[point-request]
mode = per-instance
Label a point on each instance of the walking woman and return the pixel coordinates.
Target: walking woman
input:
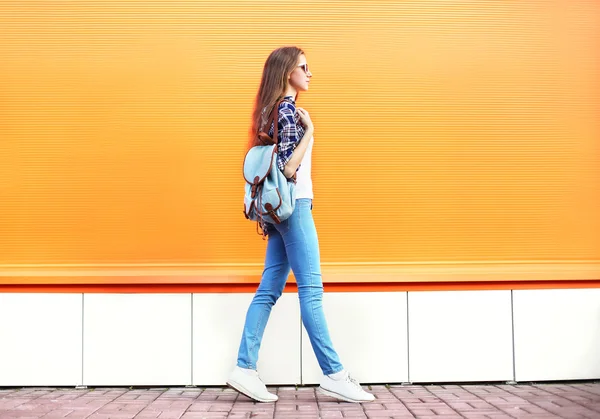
(292, 244)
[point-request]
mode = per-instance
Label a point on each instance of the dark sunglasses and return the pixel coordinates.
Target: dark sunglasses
(304, 67)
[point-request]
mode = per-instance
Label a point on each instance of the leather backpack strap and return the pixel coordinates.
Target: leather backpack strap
(273, 119)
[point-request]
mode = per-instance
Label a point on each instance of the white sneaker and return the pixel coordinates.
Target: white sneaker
(248, 382)
(343, 387)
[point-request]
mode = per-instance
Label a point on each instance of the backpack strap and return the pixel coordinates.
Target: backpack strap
(263, 137)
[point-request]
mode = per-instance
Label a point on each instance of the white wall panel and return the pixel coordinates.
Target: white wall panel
(369, 333)
(557, 334)
(146, 339)
(137, 339)
(40, 339)
(460, 336)
(218, 324)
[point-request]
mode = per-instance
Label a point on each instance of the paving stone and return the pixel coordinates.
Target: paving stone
(539, 401)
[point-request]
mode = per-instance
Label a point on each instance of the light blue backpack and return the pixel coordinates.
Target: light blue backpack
(269, 197)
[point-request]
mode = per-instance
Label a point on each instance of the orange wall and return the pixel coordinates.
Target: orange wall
(456, 135)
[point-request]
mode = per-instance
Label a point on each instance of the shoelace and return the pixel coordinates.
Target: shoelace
(353, 381)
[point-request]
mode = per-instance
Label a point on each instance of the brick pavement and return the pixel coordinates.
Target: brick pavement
(539, 401)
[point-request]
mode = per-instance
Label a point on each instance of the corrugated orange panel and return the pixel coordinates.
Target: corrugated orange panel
(462, 134)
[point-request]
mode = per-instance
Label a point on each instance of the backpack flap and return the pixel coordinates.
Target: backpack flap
(257, 165)
(277, 197)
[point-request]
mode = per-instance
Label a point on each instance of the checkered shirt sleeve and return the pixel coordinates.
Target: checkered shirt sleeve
(290, 132)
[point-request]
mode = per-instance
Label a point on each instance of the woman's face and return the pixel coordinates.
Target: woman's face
(300, 77)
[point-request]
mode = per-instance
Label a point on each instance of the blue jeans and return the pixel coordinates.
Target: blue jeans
(292, 244)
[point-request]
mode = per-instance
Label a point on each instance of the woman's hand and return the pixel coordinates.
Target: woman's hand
(305, 118)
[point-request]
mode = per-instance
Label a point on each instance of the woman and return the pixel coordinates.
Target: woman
(293, 243)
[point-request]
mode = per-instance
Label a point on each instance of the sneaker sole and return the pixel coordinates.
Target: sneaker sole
(238, 387)
(340, 397)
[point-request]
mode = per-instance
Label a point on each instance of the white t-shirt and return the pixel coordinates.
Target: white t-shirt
(304, 187)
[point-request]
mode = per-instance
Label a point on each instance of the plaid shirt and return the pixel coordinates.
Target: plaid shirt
(290, 131)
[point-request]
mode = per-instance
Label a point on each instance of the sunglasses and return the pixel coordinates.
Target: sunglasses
(304, 67)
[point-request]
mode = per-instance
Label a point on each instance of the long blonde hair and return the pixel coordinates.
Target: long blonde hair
(279, 65)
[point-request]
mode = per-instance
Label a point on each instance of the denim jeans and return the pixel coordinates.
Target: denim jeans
(292, 244)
